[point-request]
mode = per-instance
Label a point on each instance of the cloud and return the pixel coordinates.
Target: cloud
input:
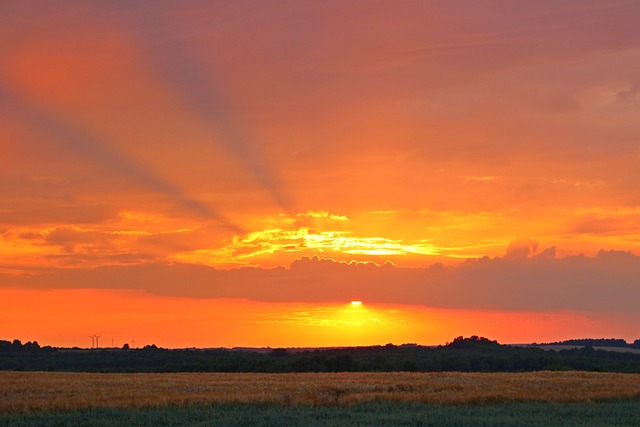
(323, 215)
(80, 142)
(548, 253)
(521, 248)
(606, 282)
(199, 85)
(70, 238)
(608, 225)
(357, 106)
(68, 213)
(629, 94)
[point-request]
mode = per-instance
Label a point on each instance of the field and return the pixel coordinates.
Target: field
(37, 391)
(42, 398)
(616, 413)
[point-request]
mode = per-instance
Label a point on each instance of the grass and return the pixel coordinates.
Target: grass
(24, 392)
(611, 413)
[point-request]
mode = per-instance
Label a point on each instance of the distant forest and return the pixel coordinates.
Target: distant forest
(598, 342)
(474, 354)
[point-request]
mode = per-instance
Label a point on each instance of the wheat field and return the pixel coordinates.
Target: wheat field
(37, 391)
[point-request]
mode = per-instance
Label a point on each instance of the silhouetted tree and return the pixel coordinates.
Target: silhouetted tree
(344, 363)
(279, 352)
(31, 346)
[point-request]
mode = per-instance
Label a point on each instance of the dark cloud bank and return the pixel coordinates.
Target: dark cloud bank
(609, 281)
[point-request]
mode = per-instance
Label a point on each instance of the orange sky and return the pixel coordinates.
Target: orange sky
(178, 167)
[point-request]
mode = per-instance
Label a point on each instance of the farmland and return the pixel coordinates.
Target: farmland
(38, 391)
(399, 398)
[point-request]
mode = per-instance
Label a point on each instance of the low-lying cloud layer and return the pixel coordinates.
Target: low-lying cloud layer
(604, 283)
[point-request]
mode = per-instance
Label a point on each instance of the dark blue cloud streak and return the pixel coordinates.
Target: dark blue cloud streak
(90, 147)
(163, 41)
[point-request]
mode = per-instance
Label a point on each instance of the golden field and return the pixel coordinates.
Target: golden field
(31, 391)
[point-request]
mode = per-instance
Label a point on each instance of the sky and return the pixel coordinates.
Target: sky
(222, 173)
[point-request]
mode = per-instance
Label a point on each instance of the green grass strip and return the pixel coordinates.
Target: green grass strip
(612, 413)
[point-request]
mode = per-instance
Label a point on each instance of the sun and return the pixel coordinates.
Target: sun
(356, 302)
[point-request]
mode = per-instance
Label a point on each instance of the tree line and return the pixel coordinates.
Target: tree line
(599, 342)
(473, 354)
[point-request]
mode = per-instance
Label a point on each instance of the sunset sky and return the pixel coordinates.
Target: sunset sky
(235, 173)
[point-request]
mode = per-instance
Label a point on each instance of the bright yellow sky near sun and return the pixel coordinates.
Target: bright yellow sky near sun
(139, 136)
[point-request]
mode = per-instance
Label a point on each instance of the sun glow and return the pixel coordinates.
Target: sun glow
(285, 238)
(356, 303)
